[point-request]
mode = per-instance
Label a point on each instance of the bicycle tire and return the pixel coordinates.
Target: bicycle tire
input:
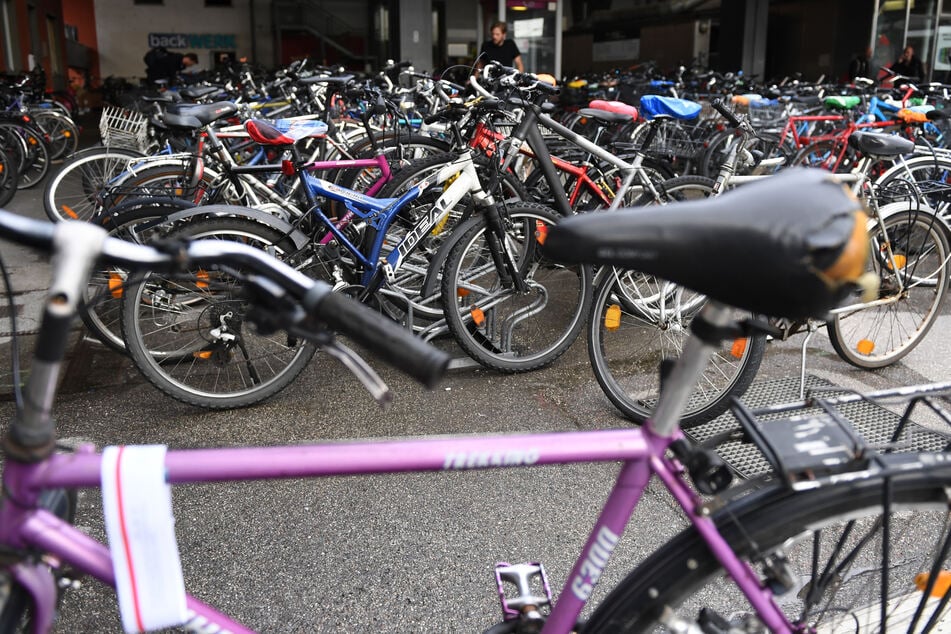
(191, 339)
(9, 175)
(35, 159)
(877, 336)
(681, 575)
(62, 132)
(915, 171)
(72, 193)
(16, 602)
(101, 304)
(497, 326)
(637, 321)
(679, 189)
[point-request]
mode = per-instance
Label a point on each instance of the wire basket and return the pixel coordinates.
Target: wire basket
(764, 114)
(123, 128)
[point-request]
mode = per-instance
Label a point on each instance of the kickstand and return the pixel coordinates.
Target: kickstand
(810, 330)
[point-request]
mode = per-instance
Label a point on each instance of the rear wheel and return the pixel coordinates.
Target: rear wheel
(191, 337)
(496, 324)
(838, 547)
(914, 281)
(637, 321)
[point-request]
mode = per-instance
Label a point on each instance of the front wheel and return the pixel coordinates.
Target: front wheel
(637, 321)
(837, 548)
(190, 335)
(910, 258)
(496, 323)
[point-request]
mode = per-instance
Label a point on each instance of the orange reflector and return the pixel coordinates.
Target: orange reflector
(115, 285)
(202, 354)
(33, 141)
(940, 586)
(864, 346)
(612, 317)
(900, 261)
(477, 316)
(67, 133)
(462, 292)
(68, 211)
(201, 278)
(541, 232)
(738, 348)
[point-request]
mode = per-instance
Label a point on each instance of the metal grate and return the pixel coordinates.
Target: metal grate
(873, 422)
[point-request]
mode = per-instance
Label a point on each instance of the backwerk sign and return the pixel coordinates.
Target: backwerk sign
(192, 40)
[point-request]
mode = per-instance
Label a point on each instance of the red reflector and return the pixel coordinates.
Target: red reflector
(287, 168)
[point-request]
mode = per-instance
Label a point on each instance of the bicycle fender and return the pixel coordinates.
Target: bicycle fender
(299, 238)
(899, 207)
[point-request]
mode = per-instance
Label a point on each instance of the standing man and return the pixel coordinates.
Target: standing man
(500, 50)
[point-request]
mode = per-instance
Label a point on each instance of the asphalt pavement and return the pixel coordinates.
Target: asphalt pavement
(403, 553)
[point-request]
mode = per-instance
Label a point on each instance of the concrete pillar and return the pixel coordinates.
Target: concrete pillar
(743, 26)
(416, 33)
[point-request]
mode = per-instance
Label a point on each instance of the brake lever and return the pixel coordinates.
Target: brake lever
(361, 369)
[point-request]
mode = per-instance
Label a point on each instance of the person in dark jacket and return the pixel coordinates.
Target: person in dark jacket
(908, 64)
(162, 64)
(500, 50)
(859, 66)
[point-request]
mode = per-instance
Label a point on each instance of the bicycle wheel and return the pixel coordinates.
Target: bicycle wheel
(35, 152)
(494, 323)
(9, 174)
(906, 177)
(824, 155)
(101, 308)
(679, 189)
(16, 602)
(910, 294)
(61, 131)
(74, 192)
(830, 545)
(190, 336)
(636, 322)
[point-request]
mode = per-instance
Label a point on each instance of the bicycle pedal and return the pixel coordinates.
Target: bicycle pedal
(526, 577)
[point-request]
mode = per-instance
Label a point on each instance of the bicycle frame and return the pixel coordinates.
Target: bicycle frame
(642, 451)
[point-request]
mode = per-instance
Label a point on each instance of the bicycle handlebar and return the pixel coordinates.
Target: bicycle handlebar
(384, 337)
(717, 105)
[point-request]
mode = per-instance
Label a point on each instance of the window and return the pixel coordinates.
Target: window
(217, 3)
(148, 1)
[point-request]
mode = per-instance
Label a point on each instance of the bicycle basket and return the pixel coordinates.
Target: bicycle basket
(123, 128)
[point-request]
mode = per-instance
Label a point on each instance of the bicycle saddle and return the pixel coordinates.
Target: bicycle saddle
(793, 245)
(877, 144)
(604, 116)
(194, 116)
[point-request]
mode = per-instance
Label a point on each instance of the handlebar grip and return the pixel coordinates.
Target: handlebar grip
(717, 105)
(391, 342)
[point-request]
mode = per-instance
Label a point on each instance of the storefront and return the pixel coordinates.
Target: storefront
(922, 24)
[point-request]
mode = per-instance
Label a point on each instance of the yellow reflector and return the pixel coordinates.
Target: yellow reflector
(68, 211)
(864, 346)
(900, 261)
(477, 316)
(115, 285)
(612, 317)
(201, 278)
(940, 586)
(202, 354)
(738, 348)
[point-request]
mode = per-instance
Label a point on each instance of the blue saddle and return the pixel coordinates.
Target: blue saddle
(653, 105)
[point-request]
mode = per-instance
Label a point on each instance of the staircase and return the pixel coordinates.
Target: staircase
(310, 17)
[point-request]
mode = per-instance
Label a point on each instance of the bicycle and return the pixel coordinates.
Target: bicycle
(761, 537)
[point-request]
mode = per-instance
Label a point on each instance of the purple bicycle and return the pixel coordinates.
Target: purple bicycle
(843, 536)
